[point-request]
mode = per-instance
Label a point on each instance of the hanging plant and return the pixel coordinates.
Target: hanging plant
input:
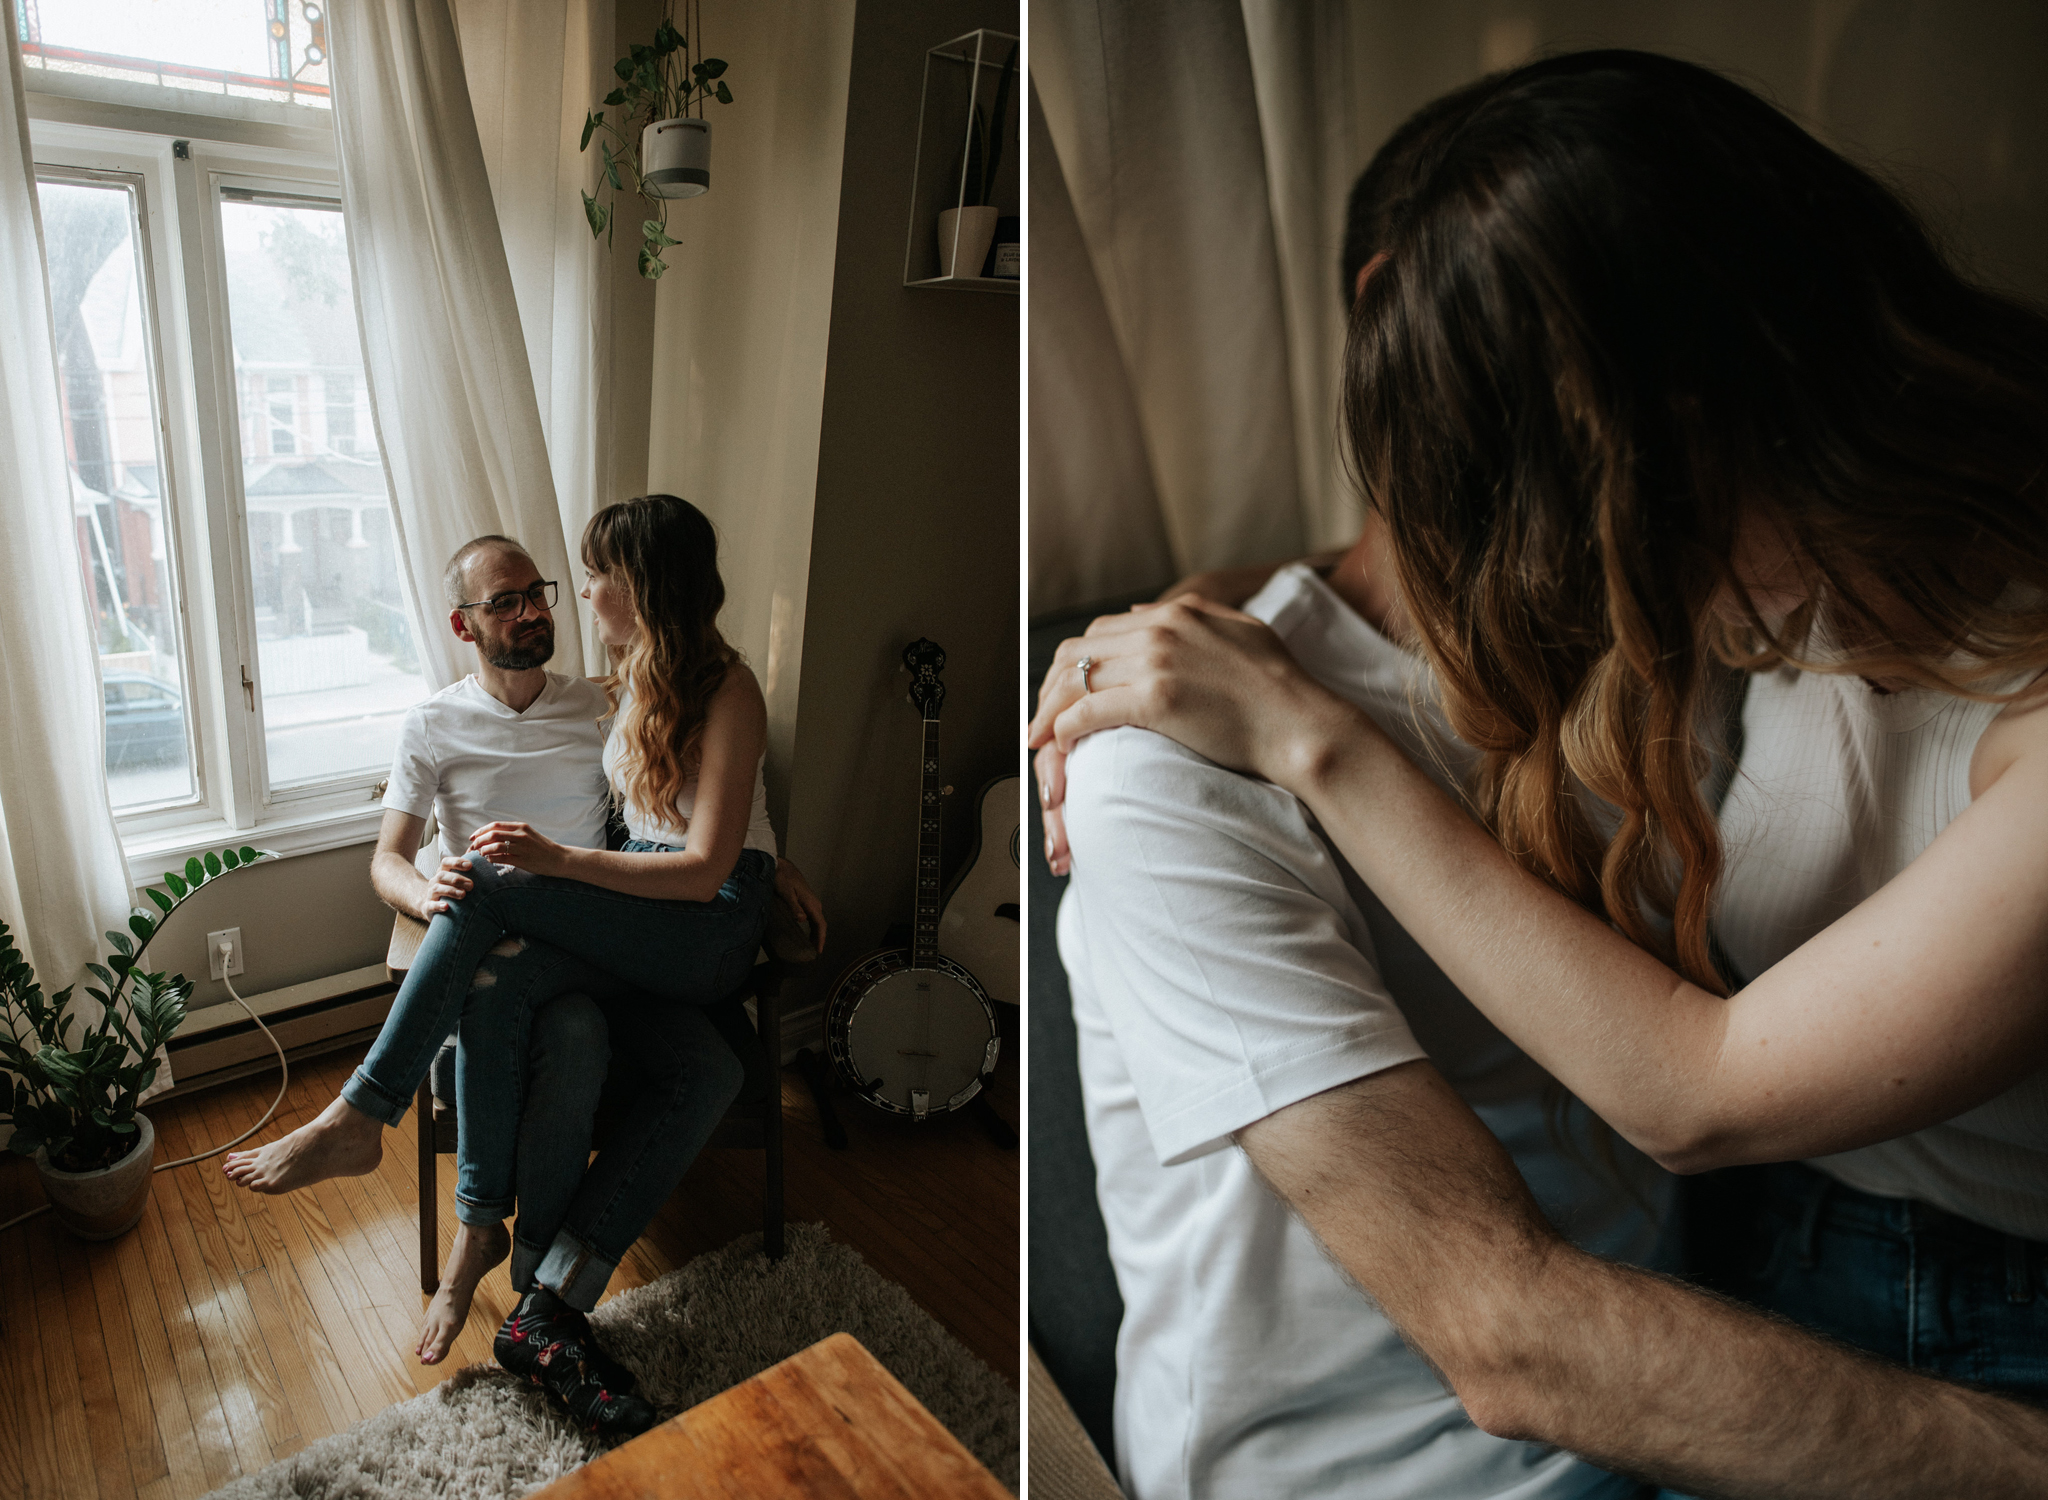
(653, 147)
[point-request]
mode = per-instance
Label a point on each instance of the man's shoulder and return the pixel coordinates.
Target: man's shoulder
(1125, 773)
(578, 696)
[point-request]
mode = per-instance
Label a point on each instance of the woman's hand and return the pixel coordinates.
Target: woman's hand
(520, 846)
(1215, 679)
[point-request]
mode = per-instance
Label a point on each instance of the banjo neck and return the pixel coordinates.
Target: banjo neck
(924, 939)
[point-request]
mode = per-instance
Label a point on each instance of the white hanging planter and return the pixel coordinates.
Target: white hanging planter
(675, 158)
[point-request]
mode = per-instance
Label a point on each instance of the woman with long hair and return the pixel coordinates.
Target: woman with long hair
(1716, 503)
(675, 917)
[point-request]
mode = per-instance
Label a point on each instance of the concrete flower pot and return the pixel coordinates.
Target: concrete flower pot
(106, 1204)
(675, 158)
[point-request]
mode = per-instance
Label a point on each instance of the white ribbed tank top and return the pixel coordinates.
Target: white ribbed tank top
(1839, 788)
(676, 833)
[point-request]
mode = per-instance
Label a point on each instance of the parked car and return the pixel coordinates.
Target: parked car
(145, 721)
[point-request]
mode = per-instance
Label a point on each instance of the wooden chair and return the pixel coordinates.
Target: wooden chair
(754, 1122)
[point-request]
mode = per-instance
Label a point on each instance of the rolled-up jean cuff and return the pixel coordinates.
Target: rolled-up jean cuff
(481, 1214)
(575, 1272)
(526, 1260)
(360, 1092)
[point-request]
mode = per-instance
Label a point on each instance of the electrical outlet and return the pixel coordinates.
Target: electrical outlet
(232, 936)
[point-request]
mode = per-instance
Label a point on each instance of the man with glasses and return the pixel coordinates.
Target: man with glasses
(516, 741)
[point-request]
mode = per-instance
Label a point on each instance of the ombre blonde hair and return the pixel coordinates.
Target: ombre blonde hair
(666, 553)
(1628, 310)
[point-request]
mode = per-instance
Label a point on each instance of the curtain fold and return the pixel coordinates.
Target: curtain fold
(63, 878)
(535, 68)
(451, 384)
(1150, 108)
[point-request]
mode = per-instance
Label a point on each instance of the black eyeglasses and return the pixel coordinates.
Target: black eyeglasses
(509, 605)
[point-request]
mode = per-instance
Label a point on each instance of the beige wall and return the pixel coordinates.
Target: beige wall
(302, 918)
(1947, 98)
(916, 527)
(740, 329)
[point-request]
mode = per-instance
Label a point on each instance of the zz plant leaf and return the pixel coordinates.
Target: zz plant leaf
(69, 1090)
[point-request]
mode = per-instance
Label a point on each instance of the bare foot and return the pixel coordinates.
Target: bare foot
(341, 1142)
(475, 1251)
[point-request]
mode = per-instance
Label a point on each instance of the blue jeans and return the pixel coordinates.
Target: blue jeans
(1910, 1283)
(672, 1079)
(517, 941)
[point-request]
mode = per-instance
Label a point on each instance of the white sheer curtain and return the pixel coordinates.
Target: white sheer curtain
(63, 879)
(450, 379)
(1200, 150)
(534, 68)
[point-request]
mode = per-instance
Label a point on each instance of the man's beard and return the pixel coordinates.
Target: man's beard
(520, 653)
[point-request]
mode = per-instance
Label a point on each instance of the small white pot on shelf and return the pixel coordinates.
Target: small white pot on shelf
(964, 237)
(675, 158)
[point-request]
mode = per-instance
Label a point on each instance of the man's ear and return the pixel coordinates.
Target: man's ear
(459, 623)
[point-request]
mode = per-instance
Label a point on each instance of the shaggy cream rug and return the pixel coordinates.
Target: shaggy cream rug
(703, 1328)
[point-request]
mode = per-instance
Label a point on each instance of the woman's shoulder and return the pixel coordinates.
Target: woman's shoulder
(739, 695)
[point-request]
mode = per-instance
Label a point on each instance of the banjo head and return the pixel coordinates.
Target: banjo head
(914, 1042)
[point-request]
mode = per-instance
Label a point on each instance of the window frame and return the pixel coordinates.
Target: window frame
(199, 410)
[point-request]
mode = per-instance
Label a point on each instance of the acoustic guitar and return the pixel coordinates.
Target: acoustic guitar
(910, 1030)
(980, 924)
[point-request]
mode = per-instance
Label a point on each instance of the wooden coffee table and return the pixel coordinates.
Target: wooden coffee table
(827, 1422)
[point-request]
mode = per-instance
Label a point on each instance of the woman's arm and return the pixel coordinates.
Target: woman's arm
(1922, 1002)
(735, 731)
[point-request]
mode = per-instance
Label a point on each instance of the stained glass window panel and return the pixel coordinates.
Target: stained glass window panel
(253, 49)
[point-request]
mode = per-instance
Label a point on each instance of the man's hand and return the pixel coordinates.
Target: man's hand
(450, 883)
(800, 901)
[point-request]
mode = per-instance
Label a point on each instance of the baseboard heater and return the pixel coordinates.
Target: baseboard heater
(220, 1043)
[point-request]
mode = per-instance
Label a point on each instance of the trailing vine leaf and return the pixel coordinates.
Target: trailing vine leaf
(656, 234)
(589, 125)
(724, 94)
(597, 213)
(651, 265)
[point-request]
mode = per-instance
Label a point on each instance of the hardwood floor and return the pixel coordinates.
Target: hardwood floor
(229, 1330)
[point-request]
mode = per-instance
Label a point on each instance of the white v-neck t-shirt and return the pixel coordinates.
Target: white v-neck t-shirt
(471, 760)
(1226, 962)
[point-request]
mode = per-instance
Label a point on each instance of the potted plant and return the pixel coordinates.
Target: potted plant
(669, 154)
(966, 232)
(73, 1103)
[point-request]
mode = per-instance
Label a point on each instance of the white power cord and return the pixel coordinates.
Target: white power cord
(226, 952)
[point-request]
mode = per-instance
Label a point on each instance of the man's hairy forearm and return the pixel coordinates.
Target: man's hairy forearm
(1421, 1206)
(397, 883)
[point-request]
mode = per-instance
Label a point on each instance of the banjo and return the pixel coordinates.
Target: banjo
(909, 1029)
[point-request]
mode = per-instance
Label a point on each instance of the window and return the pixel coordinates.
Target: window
(256, 640)
(247, 49)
